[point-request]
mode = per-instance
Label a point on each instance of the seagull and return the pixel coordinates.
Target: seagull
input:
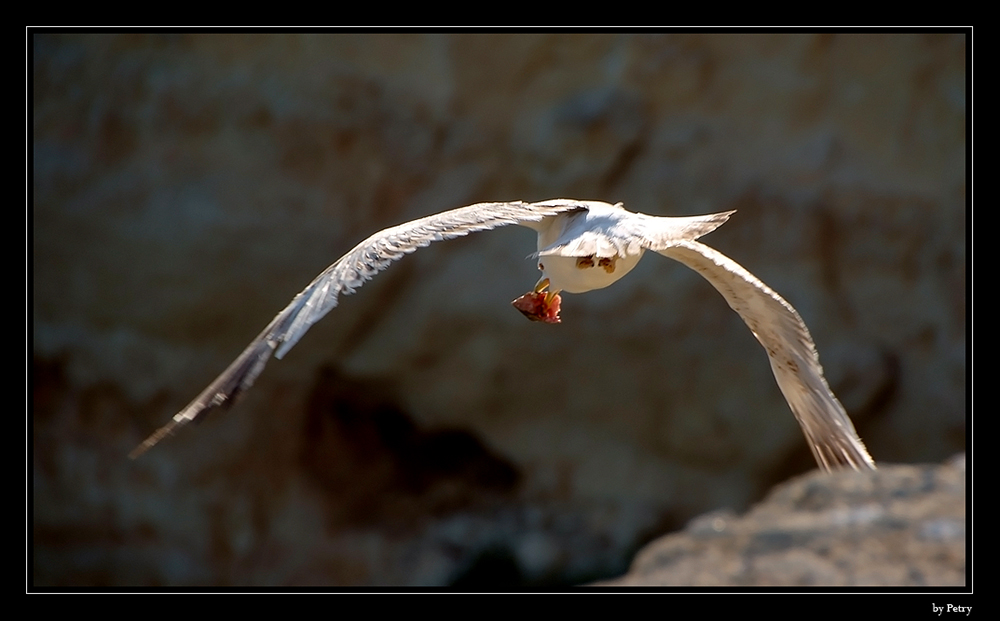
(582, 246)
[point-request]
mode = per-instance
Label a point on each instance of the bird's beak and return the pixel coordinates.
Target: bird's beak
(539, 306)
(542, 285)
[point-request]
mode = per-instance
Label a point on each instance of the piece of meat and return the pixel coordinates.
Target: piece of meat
(535, 308)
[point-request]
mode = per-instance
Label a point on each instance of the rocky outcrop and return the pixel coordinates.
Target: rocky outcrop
(899, 526)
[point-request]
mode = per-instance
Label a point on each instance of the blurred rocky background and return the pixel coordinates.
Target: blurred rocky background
(185, 187)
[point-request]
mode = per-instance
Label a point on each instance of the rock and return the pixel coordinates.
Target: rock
(899, 526)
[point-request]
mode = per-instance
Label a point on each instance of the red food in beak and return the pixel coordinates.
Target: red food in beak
(535, 308)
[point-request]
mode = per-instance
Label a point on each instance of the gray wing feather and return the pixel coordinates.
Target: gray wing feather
(794, 361)
(342, 278)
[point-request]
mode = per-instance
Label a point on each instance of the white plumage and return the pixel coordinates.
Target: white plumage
(582, 246)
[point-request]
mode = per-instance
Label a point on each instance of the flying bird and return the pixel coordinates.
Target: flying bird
(582, 246)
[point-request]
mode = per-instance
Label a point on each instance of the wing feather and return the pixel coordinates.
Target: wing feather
(794, 361)
(345, 276)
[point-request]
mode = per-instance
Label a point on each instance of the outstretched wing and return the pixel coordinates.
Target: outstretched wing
(343, 278)
(780, 329)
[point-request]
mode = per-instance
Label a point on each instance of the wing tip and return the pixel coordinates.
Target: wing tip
(153, 439)
(840, 456)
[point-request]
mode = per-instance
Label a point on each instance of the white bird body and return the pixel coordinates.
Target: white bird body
(607, 232)
(564, 273)
(582, 246)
